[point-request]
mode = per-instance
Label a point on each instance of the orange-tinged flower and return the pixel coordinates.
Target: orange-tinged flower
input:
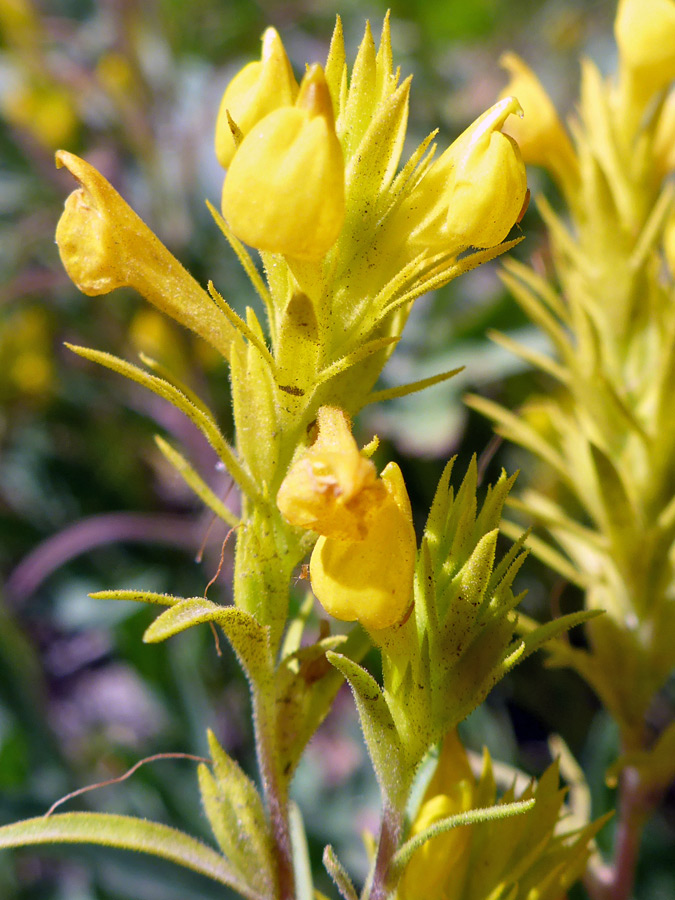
(370, 581)
(363, 564)
(105, 245)
(332, 489)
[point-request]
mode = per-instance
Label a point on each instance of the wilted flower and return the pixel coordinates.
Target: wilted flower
(105, 245)
(362, 565)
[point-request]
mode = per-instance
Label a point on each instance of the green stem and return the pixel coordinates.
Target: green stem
(266, 556)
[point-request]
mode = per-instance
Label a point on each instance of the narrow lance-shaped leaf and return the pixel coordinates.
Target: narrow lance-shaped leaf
(127, 833)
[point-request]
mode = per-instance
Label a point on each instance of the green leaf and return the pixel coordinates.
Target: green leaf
(379, 730)
(139, 597)
(301, 862)
(339, 874)
(236, 814)
(203, 420)
(533, 640)
(127, 833)
(249, 639)
(412, 388)
(195, 481)
(305, 687)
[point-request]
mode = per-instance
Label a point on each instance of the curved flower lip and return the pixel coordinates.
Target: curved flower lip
(104, 245)
(487, 181)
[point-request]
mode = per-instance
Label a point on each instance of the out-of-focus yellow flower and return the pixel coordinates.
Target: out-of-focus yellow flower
(332, 489)
(474, 192)
(284, 190)
(362, 565)
(664, 139)
(438, 869)
(105, 245)
(45, 110)
(669, 242)
(645, 35)
(256, 90)
(539, 133)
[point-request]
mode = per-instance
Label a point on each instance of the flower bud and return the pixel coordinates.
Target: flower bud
(104, 245)
(487, 181)
(370, 581)
(256, 90)
(332, 489)
(284, 190)
(473, 194)
(645, 35)
(539, 133)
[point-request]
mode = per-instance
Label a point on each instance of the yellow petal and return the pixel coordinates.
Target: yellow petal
(332, 489)
(664, 139)
(473, 194)
(539, 133)
(105, 245)
(284, 190)
(487, 181)
(439, 867)
(645, 35)
(370, 581)
(258, 89)
(669, 242)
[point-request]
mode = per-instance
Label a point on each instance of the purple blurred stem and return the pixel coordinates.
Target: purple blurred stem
(95, 531)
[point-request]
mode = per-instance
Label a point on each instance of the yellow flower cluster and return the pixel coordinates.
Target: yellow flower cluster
(290, 155)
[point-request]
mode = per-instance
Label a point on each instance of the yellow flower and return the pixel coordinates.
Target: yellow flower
(539, 133)
(258, 89)
(645, 35)
(284, 190)
(669, 241)
(370, 581)
(363, 564)
(664, 138)
(438, 868)
(105, 245)
(473, 194)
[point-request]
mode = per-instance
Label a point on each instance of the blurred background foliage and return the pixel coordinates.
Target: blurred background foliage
(87, 503)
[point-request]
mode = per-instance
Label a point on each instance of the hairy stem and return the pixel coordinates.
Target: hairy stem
(390, 834)
(274, 783)
(615, 881)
